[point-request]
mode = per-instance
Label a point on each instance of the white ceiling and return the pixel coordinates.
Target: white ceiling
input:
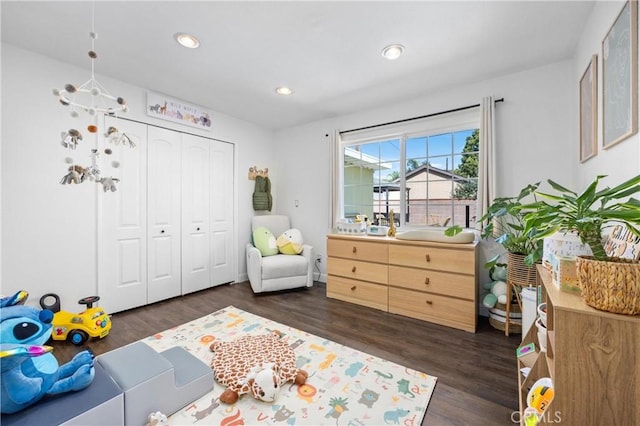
(328, 51)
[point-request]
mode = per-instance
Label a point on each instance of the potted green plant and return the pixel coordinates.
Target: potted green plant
(606, 283)
(505, 222)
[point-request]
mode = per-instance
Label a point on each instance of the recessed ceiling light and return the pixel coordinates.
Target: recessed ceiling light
(187, 40)
(283, 90)
(392, 52)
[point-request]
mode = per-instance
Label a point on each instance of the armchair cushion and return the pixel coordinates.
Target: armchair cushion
(284, 266)
(264, 241)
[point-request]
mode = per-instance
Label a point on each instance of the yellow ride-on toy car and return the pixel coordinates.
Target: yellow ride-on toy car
(77, 328)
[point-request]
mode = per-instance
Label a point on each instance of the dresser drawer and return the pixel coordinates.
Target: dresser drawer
(358, 270)
(434, 308)
(358, 250)
(444, 283)
(366, 294)
(442, 259)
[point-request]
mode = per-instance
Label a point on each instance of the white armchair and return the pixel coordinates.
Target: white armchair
(280, 271)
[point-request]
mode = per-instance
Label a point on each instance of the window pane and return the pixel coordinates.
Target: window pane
(439, 172)
(366, 167)
(416, 147)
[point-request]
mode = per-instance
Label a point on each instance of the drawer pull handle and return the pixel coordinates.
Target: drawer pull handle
(353, 288)
(427, 257)
(353, 269)
(354, 249)
(429, 302)
(426, 281)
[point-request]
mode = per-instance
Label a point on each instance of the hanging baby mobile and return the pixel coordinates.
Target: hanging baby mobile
(93, 99)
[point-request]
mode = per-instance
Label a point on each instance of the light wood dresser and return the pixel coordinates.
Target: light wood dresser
(434, 282)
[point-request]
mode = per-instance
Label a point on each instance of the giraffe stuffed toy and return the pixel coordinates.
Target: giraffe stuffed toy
(258, 365)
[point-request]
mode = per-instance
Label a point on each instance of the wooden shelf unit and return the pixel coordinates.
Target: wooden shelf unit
(433, 282)
(593, 359)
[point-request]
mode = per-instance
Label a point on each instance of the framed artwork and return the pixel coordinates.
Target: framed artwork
(171, 109)
(589, 111)
(620, 77)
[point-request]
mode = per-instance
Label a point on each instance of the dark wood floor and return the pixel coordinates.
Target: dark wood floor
(476, 372)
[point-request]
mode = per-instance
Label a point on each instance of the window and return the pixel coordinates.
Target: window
(426, 177)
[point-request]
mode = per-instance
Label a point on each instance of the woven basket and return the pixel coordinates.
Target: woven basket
(497, 317)
(612, 286)
(520, 274)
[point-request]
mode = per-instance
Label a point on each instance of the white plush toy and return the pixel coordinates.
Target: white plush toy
(290, 242)
(157, 419)
(497, 294)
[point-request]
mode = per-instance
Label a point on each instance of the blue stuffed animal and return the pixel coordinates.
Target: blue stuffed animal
(28, 369)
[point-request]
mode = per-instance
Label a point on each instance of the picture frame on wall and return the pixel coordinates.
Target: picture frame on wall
(589, 111)
(620, 77)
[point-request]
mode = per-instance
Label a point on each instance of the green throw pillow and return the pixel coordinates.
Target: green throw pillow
(264, 241)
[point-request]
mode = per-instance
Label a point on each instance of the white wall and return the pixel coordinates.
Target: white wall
(537, 134)
(534, 141)
(621, 161)
(48, 229)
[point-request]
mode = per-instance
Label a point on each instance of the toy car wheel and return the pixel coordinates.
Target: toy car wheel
(78, 337)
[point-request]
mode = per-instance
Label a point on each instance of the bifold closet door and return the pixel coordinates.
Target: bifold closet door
(196, 199)
(163, 214)
(122, 230)
(222, 205)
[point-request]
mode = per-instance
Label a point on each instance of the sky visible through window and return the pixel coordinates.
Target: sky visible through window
(439, 151)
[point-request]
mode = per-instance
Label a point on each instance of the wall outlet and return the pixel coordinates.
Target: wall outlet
(318, 258)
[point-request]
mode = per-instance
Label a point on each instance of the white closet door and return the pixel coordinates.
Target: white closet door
(163, 213)
(122, 253)
(196, 243)
(222, 182)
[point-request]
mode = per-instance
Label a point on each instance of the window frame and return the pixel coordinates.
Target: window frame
(450, 123)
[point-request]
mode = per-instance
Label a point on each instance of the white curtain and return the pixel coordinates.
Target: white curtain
(335, 163)
(487, 160)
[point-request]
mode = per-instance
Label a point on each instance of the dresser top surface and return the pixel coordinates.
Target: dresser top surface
(393, 240)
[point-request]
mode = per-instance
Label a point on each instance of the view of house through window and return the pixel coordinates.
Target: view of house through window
(425, 180)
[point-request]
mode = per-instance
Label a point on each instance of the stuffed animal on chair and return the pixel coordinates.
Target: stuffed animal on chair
(290, 242)
(29, 371)
(258, 365)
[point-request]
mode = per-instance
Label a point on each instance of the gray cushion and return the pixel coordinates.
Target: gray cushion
(133, 364)
(188, 367)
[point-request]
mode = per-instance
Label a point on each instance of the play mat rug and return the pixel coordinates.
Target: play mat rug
(345, 386)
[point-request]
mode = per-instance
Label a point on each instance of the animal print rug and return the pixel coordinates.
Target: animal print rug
(345, 386)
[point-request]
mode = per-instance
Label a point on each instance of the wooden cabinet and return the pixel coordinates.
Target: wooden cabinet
(358, 271)
(434, 282)
(591, 358)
